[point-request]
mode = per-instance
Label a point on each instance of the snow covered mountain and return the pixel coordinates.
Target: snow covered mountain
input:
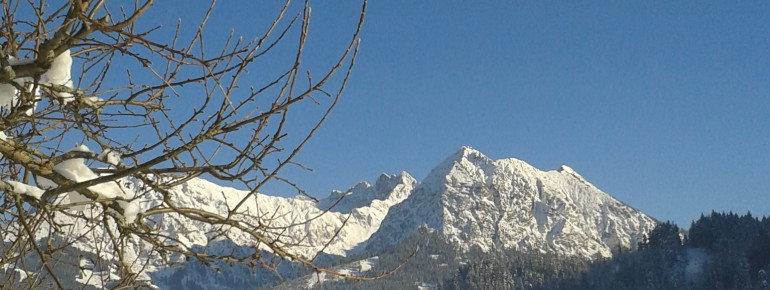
(300, 221)
(367, 205)
(471, 200)
(508, 204)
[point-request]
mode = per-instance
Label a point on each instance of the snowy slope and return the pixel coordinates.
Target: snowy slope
(508, 204)
(468, 198)
(371, 206)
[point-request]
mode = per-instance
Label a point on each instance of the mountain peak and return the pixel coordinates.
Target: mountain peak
(469, 199)
(466, 148)
(466, 152)
(387, 182)
(473, 200)
(387, 188)
(568, 171)
(464, 159)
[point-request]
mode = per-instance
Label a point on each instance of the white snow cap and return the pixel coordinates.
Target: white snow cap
(25, 189)
(130, 210)
(9, 93)
(76, 170)
(60, 73)
(110, 156)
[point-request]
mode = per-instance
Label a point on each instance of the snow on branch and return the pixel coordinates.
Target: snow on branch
(163, 107)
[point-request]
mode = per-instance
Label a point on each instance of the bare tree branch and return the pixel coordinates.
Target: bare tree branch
(155, 111)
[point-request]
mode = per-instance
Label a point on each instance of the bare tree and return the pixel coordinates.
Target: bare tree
(149, 110)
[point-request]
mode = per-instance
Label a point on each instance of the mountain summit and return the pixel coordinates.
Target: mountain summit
(470, 200)
(473, 200)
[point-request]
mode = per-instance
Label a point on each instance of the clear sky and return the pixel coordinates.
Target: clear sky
(663, 104)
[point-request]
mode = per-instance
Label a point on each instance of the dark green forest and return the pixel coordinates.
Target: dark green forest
(718, 251)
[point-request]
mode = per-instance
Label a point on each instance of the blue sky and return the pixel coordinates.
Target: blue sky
(663, 104)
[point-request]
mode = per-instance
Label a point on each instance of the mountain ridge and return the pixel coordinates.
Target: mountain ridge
(468, 198)
(524, 208)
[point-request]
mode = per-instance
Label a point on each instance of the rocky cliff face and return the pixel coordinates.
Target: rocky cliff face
(493, 204)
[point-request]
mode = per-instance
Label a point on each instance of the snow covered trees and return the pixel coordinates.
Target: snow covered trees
(101, 115)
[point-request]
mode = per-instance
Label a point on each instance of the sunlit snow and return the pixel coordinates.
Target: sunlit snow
(58, 74)
(25, 189)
